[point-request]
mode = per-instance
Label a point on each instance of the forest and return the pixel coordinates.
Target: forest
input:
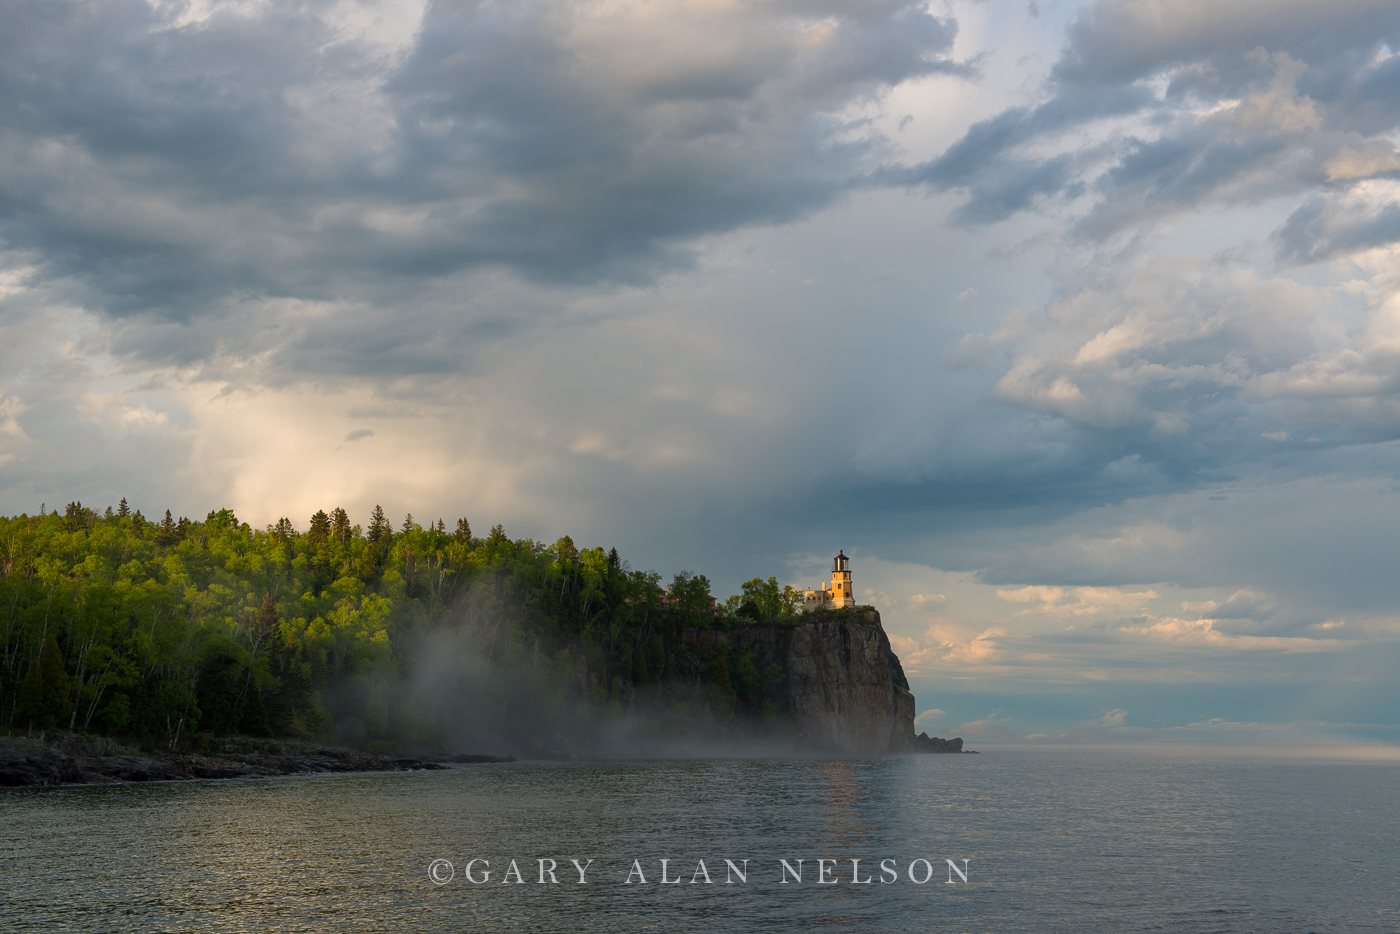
(170, 632)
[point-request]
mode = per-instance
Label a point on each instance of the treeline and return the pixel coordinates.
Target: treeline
(174, 631)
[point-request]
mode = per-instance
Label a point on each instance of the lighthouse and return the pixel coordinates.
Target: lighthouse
(841, 594)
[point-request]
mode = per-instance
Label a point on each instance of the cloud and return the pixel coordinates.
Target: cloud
(298, 169)
(1156, 109)
(1363, 217)
(1125, 40)
(1245, 604)
(1032, 593)
(1082, 601)
(1114, 717)
(928, 718)
(1177, 347)
(1375, 157)
(14, 441)
(1203, 632)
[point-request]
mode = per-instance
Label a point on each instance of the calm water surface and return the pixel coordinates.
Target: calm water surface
(1083, 840)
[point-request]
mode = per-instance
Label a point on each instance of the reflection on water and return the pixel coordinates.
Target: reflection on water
(1056, 840)
(847, 831)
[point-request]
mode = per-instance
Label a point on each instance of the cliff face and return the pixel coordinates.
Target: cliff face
(845, 687)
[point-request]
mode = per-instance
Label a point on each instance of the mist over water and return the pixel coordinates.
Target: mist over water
(457, 695)
(1188, 839)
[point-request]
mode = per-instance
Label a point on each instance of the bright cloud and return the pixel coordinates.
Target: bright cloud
(1077, 601)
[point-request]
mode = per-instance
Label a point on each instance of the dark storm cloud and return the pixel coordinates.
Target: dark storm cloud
(131, 153)
(148, 165)
(577, 166)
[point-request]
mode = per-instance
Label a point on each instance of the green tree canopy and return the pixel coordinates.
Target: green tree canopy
(182, 629)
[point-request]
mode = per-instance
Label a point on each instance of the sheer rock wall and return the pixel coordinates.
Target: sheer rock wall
(845, 687)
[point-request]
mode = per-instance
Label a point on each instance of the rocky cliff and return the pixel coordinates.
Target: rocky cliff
(845, 688)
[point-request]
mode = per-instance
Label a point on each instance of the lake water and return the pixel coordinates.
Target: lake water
(1189, 839)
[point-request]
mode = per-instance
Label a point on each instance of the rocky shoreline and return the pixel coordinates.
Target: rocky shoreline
(73, 760)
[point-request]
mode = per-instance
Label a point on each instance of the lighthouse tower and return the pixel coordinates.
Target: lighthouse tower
(841, 594)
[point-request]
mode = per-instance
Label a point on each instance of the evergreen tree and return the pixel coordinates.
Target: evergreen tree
(340, 525)
(268, 617)
(656, 657)
(77, 516)
(252, 717)
(379, 528)
(464, 531)
(43, 700)
(165, 532)
(123, 510)
(320, 530)
(28, 703)
(290, 702)
(223, 680)
(368, 569)
(407, 523)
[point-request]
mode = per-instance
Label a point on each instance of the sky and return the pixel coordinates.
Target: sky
(1076, 325)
